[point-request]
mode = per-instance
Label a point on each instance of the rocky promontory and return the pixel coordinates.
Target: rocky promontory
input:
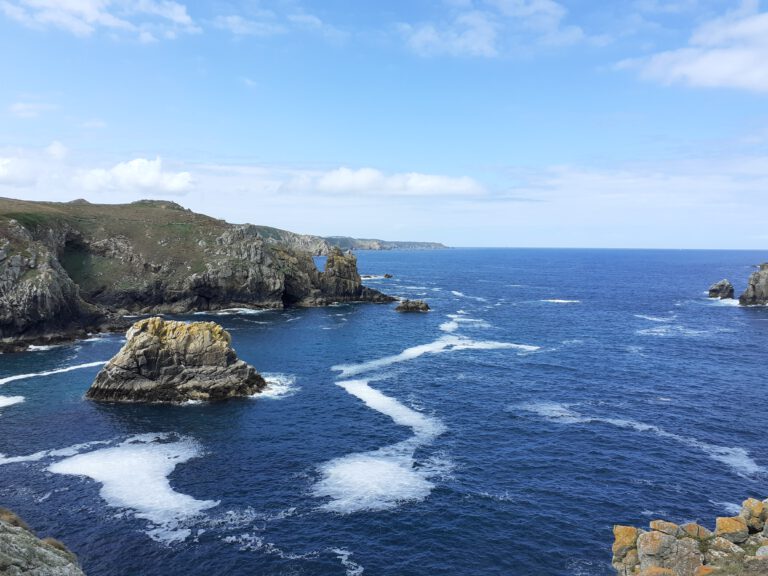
(24, 554)
(738, 545)
(170, 361)
(69, 268)
(757, 288)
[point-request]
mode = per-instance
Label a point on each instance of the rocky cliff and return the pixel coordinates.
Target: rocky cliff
(738, 545)
(757, 288)
(347, 243)
(168, 361)
(70, 267)
(24, 554)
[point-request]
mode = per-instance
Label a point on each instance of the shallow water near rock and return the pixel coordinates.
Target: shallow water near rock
(548, 395)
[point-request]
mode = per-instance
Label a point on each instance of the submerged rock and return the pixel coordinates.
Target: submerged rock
(412, 306)
(23, 553)
(693, 550)
(757, 288)
(722, 290)
(169, 361)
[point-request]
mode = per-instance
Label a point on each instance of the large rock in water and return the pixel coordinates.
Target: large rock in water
(757, 288)
(722, 290)
(412, 306)
(169, 361)
(24, 554)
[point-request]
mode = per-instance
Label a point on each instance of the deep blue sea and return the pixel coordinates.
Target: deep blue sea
(548, 395)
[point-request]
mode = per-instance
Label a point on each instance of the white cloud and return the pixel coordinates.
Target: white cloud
(141, 18)
(369, 181)
(471, 33)
(240, 26)
(485, 28)
(29, 109)
(57, 150)
(139, 174)
(727, 52)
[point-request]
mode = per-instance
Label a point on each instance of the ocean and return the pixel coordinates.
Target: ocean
(548, 395)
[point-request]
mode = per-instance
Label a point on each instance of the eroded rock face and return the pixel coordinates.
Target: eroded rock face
(722, 290)
(24, 554)
(169, 361)
(757, 288)
(412, 306)
(693, 550)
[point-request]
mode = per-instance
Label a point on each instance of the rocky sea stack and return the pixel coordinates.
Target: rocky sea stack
(722, 290)
(757, 288)
(22, 553)
(412, 306)
(169, 361)
(739, 545)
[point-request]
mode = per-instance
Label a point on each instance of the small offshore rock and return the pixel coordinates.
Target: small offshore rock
(722, 290)
(170, 361)
(387, 276)
(412, 306)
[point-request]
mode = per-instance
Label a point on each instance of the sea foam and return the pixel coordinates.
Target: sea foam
(134, 475)
(8, 379)
(279, 386)
(448, 343)
(738, 459)
(10, 400)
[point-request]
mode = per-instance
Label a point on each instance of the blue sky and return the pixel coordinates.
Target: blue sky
(640, 123)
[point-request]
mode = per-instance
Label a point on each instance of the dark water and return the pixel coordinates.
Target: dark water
(549, 395)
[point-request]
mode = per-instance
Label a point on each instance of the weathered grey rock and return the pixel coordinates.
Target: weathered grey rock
(722, 290)
(412, 306)
(169, 361)
(659, 550)
(24, 554)
(757, 288)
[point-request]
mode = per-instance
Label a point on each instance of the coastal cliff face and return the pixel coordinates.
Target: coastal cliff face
(757, 288)
(738, 545)
(168, 361)
(66, 268)
(24, 554)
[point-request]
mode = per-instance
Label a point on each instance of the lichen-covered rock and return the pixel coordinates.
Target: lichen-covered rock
(24, 554)
(664, 551)
(757, 288)
(169, 361)
(666, 527)
(625, 557)
(732, 528)
(722, 290)
(754, 513)
(412, 306)
(696, 531)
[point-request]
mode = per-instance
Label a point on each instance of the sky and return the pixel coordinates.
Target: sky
(530, 123)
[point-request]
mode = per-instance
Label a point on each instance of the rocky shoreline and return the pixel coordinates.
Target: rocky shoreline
(73, 268)
(737, 546)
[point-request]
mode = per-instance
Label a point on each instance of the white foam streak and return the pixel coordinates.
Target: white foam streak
(59, 452)
(561, 301)
(447, 343)
(456, 320)
(352, 568)
(8, 379)
(425, 427)
(10, 400)
(736, 458)
(134, 475)
(656, 318)
(279, 386)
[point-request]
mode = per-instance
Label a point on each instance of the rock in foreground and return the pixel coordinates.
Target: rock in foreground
(757, 288)
(169, 361)
(23, 553)
(735, 547)
(722, 290)
(412, 306)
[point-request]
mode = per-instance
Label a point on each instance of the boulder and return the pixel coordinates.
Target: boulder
(757, 288)
(722, 290)
(412, 306)
(754, 513)
(22, 553)
(170, 361)
(732, 528)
